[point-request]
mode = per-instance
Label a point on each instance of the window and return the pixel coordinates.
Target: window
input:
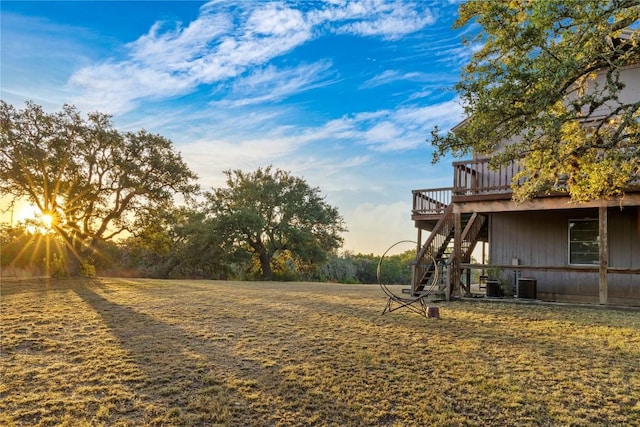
(583, 242)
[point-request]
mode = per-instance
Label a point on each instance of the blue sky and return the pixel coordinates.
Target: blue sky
(343, 94)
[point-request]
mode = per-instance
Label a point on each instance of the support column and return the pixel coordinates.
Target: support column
(457, 254)
(603, 241)
(414, 266)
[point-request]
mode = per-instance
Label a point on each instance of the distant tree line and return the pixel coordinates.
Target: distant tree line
(178, 253)
(126, 204)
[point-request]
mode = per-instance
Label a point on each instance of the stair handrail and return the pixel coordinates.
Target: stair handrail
(466, 230)
(470, 234)
(418, 273)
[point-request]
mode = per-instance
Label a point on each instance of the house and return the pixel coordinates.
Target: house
(578, 252)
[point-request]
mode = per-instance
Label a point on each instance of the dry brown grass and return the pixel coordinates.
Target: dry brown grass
(143, 352)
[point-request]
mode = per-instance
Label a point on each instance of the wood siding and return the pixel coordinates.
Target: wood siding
(540, 239)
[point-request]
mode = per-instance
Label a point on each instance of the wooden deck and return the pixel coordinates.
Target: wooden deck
(478, 187)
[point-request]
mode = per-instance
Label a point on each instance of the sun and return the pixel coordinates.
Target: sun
(47, 220)
(35, 220)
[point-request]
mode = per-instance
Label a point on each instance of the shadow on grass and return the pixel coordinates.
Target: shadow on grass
(199, 380)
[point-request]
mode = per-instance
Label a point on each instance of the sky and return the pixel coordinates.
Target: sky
(343, 94)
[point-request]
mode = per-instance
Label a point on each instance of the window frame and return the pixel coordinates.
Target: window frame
(596, 260)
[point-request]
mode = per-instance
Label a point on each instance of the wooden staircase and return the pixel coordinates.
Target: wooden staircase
(438, 248)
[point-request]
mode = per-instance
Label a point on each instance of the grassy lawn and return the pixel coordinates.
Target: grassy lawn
(143, 352)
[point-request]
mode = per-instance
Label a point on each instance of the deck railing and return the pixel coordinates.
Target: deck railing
(475, 177)
(470, 178)
(432, 201)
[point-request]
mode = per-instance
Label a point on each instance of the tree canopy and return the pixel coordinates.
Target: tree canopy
(549, 79)
(92, 180)
(269, 213)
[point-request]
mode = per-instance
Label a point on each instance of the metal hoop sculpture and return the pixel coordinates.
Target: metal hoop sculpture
(404, 302)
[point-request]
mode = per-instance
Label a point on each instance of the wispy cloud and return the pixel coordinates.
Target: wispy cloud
(225, 42)
(393, 130)
(389, 20)
(324, 153)
(392, 76)
(459, 55)
(271, 84)
(170, 61)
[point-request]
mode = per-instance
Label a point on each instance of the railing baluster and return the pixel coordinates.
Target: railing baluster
(432, 201)
(474, 177)
(470, 178)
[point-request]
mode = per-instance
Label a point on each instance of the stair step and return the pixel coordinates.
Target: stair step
(441, 246)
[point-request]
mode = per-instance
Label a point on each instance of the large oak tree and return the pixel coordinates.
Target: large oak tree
(549, 77)
(93, 180)
(268, 213)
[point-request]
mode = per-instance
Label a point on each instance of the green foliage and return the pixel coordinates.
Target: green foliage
(285, 267)
(176, 243)
(396, 269)
(366, 267)
(269, 212)
(25, 253)
(58, 266)
(95, 181)
(548, 78)
(183, 244)
(362, 268)
(87, 269)
(338, 269)
(106, 257)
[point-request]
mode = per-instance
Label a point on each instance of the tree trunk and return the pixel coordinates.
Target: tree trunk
(265, 266)
(168, 266)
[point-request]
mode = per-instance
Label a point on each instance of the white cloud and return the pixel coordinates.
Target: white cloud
(333, 174)
(275, 19)
(175, 48)
(389, 20)
(167, 62)
(225, 42)
(460, 55)
(271, 84)
(383, 132)
(391, 130)
(421, 94)
(391, 76)
(385, 77)
(391, 26)
(209, 157)
(114, 88)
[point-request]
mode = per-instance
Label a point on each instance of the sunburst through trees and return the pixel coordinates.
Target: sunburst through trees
(30, 246)
(87, 181)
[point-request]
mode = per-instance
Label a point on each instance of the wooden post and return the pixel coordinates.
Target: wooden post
(414, 275)
(603, 286)
(467, 291)
(457, 253)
